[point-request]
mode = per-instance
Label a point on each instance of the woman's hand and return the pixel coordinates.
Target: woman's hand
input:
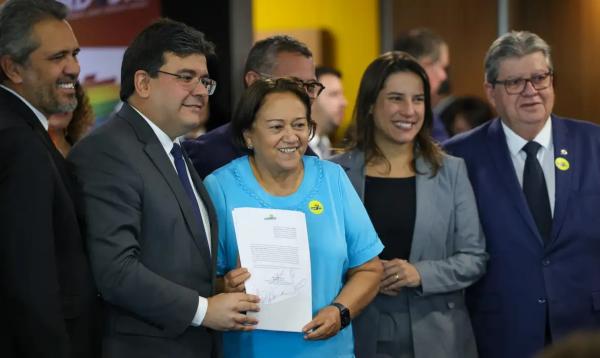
(398, 273)
(326, 324)
(234, 280)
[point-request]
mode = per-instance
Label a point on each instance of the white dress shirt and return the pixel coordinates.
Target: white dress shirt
(545, 156)
(167, 144)
(37, 113)
(321, 145)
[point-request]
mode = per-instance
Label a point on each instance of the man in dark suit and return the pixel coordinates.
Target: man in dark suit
(46, 288)
(151, 227)
(535, 176)
(276, 56)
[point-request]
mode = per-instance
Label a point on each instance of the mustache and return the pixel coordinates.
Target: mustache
(67, 79)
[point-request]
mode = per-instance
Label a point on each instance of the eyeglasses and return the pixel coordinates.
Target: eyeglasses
(517, 85)
(190, 82)
(313, 88)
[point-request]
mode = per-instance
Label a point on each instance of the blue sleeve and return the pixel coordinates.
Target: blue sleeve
(361, 237)
(217, 195)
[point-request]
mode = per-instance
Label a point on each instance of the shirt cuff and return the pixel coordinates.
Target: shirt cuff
(200, 312)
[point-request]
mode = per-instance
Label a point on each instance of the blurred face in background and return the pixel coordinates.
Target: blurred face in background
(437, 70)
(399, 111)
(329, 107)
(289, 64)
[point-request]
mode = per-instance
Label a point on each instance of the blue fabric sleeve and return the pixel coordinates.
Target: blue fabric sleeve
(215, 191)
(361, 237)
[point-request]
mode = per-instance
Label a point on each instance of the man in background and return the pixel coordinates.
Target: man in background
(276, 56)
(328, 110)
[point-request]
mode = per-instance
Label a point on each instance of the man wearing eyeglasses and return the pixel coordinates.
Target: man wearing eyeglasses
(276, 56)
(151, 228)
(535, 176)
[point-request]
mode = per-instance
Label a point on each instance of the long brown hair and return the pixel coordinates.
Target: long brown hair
(362, 133)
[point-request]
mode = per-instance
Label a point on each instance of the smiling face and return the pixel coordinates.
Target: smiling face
(47, 79)
(527, 112)
(399, 109)
(279, 134)
(174, 106)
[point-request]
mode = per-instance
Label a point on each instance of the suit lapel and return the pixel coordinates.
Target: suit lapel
(32, 121)
(560, 135)
(157, 155)
(505, 172)
(426, 193)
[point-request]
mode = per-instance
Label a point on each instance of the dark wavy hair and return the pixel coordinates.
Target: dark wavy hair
(362, 133)
(254, 97)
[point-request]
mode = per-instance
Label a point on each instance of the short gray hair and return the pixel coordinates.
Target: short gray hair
(263, 55)
(514, 44)
(17, 19)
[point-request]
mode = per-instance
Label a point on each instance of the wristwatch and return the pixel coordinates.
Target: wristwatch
(344, 314)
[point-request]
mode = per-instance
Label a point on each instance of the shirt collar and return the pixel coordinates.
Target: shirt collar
(515, 142)
(43, 120)
(163, 138)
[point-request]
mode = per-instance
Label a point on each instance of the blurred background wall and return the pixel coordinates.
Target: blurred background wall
(347, 34)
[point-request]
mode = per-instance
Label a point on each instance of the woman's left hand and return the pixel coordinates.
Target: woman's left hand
(398, 273)
(326, 324)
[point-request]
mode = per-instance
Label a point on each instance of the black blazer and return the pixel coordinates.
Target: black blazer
(148, 256)
(47, 293)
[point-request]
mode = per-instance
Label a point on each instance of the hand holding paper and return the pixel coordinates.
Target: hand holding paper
(273, 245)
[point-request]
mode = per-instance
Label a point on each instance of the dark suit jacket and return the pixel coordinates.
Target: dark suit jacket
(525, 278)
(148, 255)
(47, 291)
(215, 149)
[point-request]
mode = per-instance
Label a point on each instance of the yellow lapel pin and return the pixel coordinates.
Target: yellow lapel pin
(315, 207)
(562, 164)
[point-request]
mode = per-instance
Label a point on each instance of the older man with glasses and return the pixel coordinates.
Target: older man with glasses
(276, 56)
(535, 176)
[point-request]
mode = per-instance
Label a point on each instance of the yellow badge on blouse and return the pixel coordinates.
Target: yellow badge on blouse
(562, 164)
(315, 207)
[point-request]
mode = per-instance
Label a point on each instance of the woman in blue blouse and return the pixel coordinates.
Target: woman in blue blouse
(273, 123)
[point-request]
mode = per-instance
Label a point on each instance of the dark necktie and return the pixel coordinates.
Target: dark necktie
(536, 193)
(187, 186)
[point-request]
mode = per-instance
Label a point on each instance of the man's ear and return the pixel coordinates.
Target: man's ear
(489, 92)
(141, 82)
(12, 70)
(250, 77)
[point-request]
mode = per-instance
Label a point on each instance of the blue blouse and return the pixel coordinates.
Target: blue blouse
(340, 237)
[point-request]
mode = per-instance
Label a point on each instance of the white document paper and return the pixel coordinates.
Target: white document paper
(273, 246)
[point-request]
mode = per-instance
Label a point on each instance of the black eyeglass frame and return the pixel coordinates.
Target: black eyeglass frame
(309, 86)
(535, 80)
(187, 79)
